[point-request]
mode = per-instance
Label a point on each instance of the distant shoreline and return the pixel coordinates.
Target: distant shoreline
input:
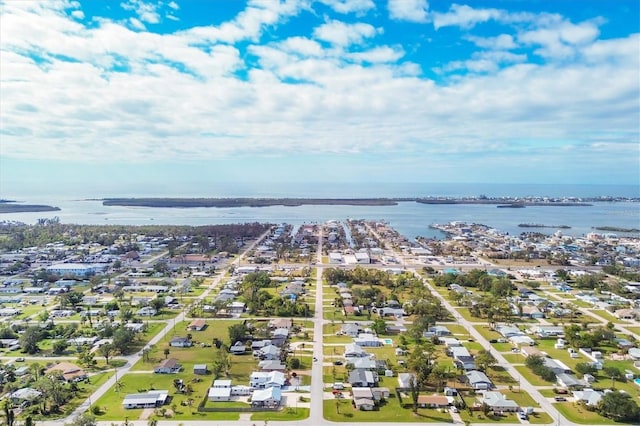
(26, 208)
(296, 202)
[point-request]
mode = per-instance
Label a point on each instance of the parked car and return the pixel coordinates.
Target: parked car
(560, 398)
(20, 359)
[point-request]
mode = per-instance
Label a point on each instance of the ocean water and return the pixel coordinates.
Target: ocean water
(409, 218)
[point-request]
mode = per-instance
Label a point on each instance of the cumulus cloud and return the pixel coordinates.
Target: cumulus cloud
(409, 10)
(108, 91)
(350, 6)
(343, 34)
(146, 12)
(465, 16)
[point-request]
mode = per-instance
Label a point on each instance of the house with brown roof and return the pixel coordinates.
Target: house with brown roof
(197, 325)
(432, 401)
(168, 366)
(70, 372)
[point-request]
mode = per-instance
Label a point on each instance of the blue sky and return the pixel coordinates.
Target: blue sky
(120, 95)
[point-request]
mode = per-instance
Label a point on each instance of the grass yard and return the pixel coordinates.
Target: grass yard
(608, 317)
(530, 377)
(578, 414)
(487, 333)
(286, 414)
(514, 358)
(341, 410)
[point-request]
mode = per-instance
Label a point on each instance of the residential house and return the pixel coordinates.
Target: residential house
(219, 393)
(440, 330)
(380, 393)
(363, 378)
(197, 325)
(353, 350)
(25, 395)
(281, 323)
(478, 380)
(367, 340)
(180, 342)
(569, 381)
(70, 372)
(588, 397)
(271, 365)
(150, 399)
(262, 380)
(363, 398)
(238, 348)
(498, 403)
(147, 311)
(268, 397)
(351, 329)
(168, 366)
(270, 352)
(433, 401)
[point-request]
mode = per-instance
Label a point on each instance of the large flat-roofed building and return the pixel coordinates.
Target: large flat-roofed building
(76, 269)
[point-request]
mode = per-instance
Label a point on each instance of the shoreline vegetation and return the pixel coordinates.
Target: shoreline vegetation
(540, 225)
(8, 206)
(295, 202)
(11, 206)
(615, 229)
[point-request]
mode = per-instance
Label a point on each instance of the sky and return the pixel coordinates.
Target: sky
(123, 95)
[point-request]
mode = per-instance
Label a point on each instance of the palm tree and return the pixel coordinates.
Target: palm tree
(166, 353)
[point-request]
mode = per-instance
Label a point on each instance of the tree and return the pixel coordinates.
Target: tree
(59, 346)
(379, 326)
(237, 332)
(613, 373)
(485, 360)
(586, 368)
(8, 413)
(620, 407)
(414, 390)
(166, 353)
(73, 298)
(29, 340)
(106, 351)
(87, 358)
(123, 340)
(85, 419)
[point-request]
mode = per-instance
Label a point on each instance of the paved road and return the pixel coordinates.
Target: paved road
(134, 358)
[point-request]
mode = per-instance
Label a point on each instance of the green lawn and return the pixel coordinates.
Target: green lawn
(341, 410)
(286, 414)
(608, 317)
(578, 414)
(111, 402)
(487, 333)
(530, 377)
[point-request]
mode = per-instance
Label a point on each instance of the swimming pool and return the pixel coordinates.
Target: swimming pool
(637, 381)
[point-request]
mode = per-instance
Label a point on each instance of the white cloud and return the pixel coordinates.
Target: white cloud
(135, 23)
(465, 16)
(147, 12)
(142, 96)
(248, 25)
(173, 5)
(409, 10)
(350, 6)
(501, 42)
(342, 34)
(78, 14)
(379, 54)
(560, 39)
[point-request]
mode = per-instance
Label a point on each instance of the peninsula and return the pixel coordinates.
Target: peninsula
(295, 202)
(246, 202)
(9, 206)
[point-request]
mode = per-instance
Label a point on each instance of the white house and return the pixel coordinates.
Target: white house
(151, 399)
(147, 311)
(262, 380)
(268, 397)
